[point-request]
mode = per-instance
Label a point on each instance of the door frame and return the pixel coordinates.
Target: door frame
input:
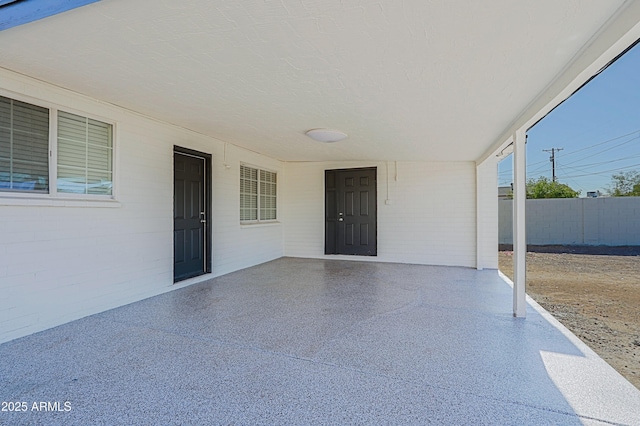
(330, 218)
(206, 255)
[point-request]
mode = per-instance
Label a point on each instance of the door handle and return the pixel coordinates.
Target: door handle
(202, 218)
(340, 218)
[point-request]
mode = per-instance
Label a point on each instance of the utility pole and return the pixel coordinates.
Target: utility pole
(552, 158)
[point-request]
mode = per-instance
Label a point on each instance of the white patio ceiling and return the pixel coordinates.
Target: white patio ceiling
(407, 80)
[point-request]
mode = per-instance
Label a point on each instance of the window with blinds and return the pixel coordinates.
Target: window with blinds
(248, 194)
(85, 155)
(257, 195)
(84, 151)
(24, 146)
(267, 195)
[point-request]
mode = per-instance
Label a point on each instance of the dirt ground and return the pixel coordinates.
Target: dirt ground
(597, 297)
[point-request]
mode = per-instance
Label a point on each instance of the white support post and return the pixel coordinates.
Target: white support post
(479, 227)
(487, 214)
(519, 223)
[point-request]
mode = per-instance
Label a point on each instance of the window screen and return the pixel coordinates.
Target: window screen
(24, 146)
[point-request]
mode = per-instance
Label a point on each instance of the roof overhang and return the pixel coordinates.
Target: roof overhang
(413, 80)
(613, 40)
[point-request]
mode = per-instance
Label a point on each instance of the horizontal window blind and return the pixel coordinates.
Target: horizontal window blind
(248, 193)
(85, 155)
(257, 194)
(24, 146)
(267, 195)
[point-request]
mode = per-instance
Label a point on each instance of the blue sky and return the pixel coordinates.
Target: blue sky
(598, 128)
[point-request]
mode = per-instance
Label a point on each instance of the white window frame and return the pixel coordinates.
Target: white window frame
(259, 219)
(52, 197)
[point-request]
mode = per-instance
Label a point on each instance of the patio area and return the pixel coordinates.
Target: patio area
(305, 341)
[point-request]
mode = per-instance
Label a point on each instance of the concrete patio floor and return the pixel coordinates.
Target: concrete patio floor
(303, 341)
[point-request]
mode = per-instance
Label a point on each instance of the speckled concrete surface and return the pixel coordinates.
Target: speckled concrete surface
(303, 341)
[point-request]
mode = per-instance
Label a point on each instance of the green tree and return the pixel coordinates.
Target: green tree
(625, 184)
(545, 188)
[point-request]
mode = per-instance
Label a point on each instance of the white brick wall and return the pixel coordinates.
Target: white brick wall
(61, 263)
(431, 219)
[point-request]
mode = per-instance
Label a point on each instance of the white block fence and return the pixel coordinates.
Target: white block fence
(608, 221)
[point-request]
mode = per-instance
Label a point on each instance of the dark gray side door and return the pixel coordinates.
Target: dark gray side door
(191, 216)
(351, 212)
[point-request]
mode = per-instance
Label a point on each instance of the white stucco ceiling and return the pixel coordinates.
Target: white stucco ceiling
(407, 80)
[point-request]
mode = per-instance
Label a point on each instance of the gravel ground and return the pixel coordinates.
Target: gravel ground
(597, 297)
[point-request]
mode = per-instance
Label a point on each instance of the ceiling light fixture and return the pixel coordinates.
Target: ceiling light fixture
(326, 135)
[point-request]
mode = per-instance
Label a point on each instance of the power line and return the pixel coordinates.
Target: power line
(605, 150)
(529, 164)
(576, 169)
(568, 153)
(601, 143)
(537, 170)
(576, 184)
(603, 162)
(579, 169)
(604, 171)
(504, 176)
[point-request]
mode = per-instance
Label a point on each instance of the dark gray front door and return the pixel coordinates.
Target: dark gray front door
(190, 216)
(351, 212)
